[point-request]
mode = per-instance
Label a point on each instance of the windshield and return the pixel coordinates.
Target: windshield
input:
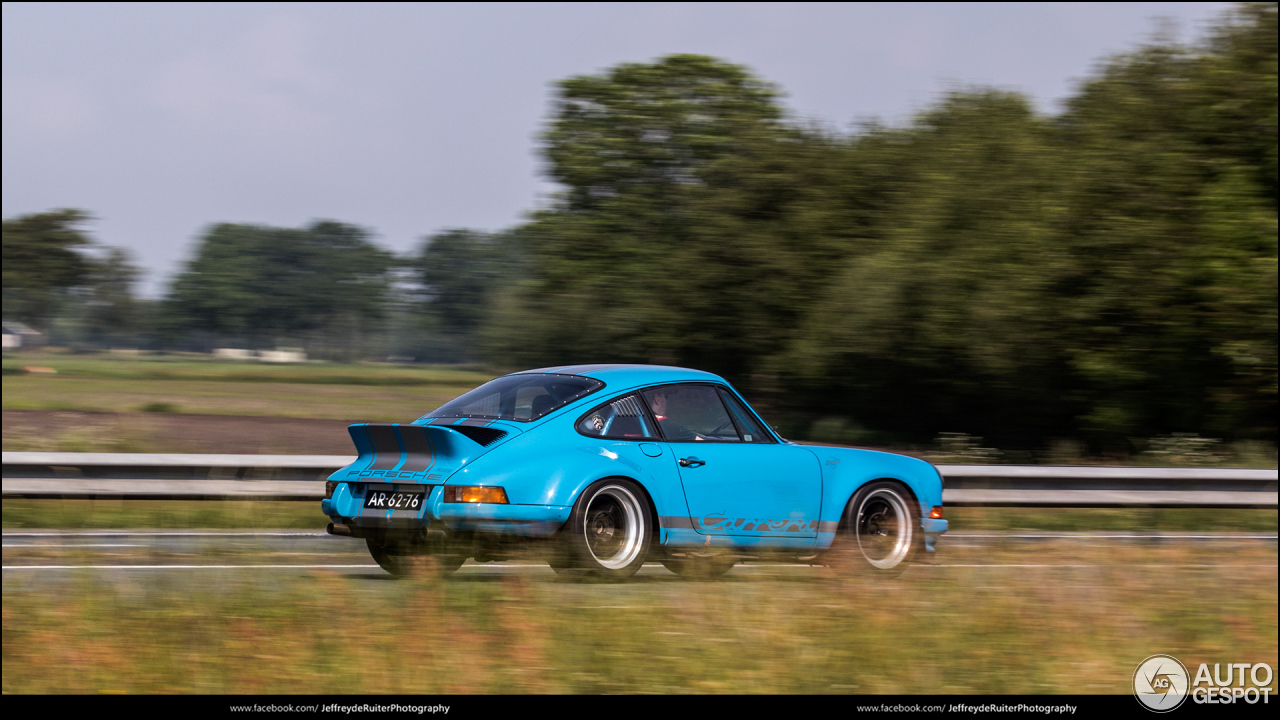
(518, 397)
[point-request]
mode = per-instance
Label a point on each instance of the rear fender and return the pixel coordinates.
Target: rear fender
(548, 466)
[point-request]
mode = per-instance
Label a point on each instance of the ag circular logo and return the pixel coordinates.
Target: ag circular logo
(1161, 682)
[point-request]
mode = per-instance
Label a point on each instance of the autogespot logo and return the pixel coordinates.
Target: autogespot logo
(1161, 682)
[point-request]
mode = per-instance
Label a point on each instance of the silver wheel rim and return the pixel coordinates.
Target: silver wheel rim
(884, 529)
(613, 526)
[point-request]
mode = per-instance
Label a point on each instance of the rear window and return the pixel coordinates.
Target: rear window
(518, 397)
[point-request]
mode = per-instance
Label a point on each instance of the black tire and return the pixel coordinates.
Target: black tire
(609, 532)
(562, 559)
(412, 556)
(880, 534)
(698, 568)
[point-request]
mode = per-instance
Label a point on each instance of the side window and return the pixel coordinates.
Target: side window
(623, 418)
(747, 424)
(690, 413)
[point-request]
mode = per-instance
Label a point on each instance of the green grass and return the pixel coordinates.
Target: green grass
(1113, 519)
(216, 370)
(274, 399)
(164, 385)
(86, 436)
(21, 513)
(992, 631)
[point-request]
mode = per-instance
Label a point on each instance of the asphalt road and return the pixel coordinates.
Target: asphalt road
(68, 552)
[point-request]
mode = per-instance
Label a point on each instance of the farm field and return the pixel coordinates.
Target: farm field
(163, 404)
(204, 367)
(338, 392)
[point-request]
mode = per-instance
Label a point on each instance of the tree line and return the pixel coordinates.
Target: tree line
(1106, 272)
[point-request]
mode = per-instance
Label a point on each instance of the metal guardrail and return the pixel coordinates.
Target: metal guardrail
(1080, 486)
(164, 476)
(301, 477)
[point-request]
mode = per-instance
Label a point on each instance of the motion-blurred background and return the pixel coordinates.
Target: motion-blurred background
(975, 233)
(1092, 278)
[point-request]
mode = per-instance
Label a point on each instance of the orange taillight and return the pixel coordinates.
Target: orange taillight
(474, 494)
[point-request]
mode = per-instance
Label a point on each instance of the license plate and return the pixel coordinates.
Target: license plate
(394, 500)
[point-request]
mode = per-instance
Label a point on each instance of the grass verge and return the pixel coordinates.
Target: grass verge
(21, 513)
(257, 514)
(937, 630)
(1113, 519)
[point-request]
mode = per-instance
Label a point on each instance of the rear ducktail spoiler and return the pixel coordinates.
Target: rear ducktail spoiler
(403, 453)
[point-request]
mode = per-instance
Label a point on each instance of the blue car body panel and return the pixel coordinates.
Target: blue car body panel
(750, 489)
(844, 470)
(752, 495)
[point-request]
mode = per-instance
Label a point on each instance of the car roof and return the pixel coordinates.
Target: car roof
(622, 376)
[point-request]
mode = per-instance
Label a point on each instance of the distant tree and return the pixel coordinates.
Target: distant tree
(112, 312)
(460, 270)
(43, 260)
(264, 284)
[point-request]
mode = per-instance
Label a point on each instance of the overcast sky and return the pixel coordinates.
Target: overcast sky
(409, 119)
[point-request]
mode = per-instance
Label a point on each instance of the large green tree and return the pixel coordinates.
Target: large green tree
(1108, 271)
(942, 315)
(1171, 224)
(672, 240)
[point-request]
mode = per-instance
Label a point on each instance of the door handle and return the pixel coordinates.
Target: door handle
(692, 462)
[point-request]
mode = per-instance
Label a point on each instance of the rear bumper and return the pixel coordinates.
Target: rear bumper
(346, 508)
(932, 529)
(520, 520)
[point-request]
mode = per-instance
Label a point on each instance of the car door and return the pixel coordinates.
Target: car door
(737, 479)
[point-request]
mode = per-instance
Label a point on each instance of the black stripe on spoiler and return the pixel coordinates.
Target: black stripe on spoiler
(415, 444)
(383, 440)
(421, 455)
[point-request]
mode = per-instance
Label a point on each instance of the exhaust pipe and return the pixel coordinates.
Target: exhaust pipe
(343, 530)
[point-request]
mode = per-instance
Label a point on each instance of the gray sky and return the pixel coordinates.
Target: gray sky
(409, 119)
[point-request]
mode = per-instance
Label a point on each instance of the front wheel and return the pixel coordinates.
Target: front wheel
(881, 529)
(609, 531)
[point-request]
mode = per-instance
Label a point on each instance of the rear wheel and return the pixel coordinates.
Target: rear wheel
(609, 532)
(562, 557)
(881, 530)
(414, 554)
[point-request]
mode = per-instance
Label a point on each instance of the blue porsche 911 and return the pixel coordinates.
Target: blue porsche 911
(606, 467)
